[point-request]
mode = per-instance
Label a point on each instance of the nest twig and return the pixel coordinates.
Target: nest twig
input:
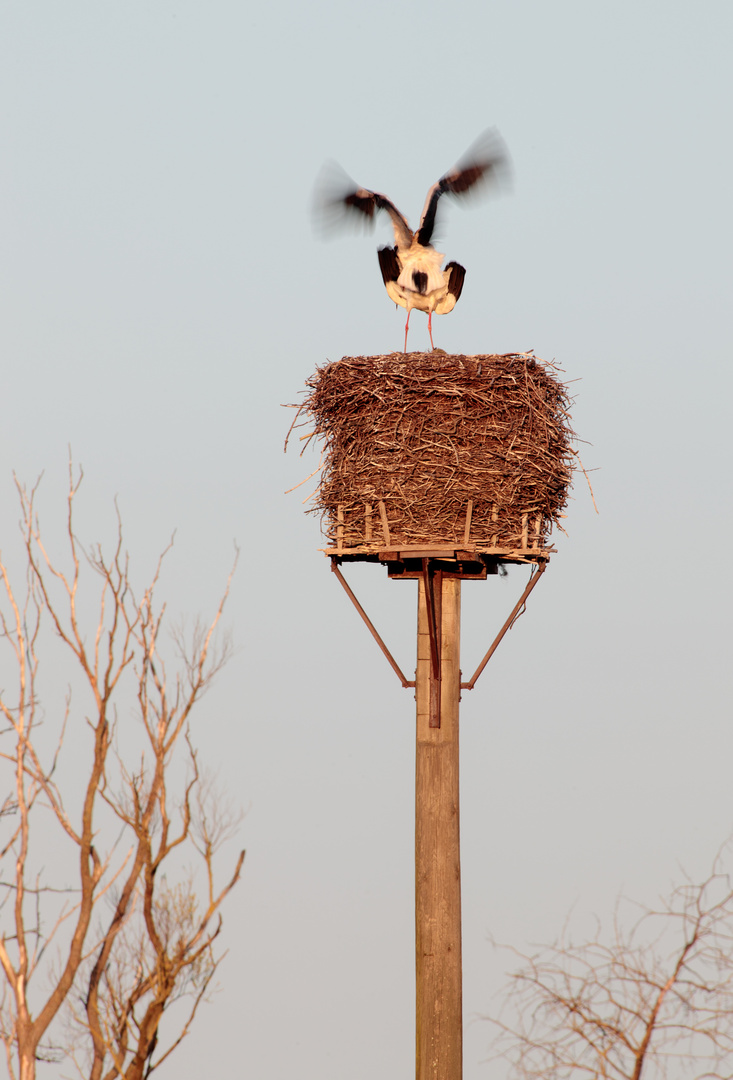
(426, 435)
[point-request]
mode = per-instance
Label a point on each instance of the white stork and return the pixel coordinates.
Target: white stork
(411, 270)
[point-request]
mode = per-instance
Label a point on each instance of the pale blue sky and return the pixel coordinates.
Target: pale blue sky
(163, 295)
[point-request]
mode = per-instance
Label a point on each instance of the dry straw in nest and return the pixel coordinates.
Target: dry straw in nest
(428, 449)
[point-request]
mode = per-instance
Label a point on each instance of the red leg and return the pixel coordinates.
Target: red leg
(430, 329)
(406, 326)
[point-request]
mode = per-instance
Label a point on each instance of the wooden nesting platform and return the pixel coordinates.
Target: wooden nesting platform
(426, 455)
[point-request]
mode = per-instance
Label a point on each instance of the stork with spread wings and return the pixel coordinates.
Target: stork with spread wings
(412, 270)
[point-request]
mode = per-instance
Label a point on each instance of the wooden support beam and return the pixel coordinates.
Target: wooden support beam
(385, 523)
(467, 527)
(437, 840)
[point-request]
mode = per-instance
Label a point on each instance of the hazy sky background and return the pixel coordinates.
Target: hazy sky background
(163, 295)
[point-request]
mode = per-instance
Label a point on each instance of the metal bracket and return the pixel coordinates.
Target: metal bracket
(429, 574)
(516, 612)
(433, 583)
(432, 597)
(372, 629)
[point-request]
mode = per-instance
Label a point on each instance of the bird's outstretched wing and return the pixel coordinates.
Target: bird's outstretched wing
(485, 161)
(339, 202)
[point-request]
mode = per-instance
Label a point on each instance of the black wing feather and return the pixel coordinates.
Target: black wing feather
(484, 161)
(363, 201)
(389, 264)
(456, 279)
(427, 225)
(339, 202)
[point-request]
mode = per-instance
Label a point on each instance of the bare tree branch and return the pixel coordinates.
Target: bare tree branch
(116, 969)
(656, 996)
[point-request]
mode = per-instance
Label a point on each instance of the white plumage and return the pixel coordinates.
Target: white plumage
(412, 270)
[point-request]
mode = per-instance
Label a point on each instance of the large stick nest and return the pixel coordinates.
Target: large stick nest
(429, 434)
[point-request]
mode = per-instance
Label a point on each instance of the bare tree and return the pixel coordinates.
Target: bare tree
(96, 947)
(653, 999)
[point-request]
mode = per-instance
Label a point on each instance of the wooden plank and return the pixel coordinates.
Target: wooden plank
(413, 575)
(427, 552)
(504, 554)
(446, 545)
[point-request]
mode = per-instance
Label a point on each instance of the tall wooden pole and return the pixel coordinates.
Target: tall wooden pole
(437, 836)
